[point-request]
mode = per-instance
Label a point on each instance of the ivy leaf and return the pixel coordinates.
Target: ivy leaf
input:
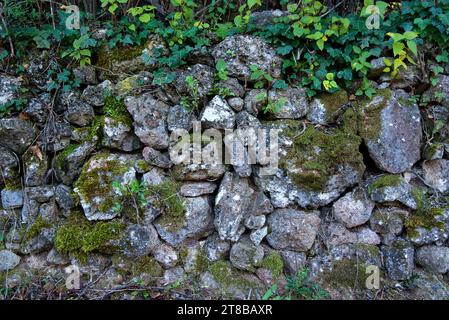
(412, 46)
(397, 48)
(42, 43)
(280, 84)
(284, 50)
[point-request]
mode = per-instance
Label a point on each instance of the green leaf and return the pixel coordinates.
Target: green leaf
(410, 35)
(146, 17)
(397, 48)
(280, 84)
(412, 46)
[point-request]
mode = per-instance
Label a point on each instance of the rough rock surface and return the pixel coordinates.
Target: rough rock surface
(198, 222)
(218, 114)
(394, 142)
(8, 260)
(398, 259)
(150, 123)
(95, 189)
(354, 208)
(433, 258)
(436, 174)
(232, 205)
(292, 229)
(247, 50)
(17, 134)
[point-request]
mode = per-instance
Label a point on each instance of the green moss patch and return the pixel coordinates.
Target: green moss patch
(425, 215)
(347, 273)
(273, 262)
(333, 102)
(167, 199)
(116, 109)
(97, 182)
(388, 180)
(36, 228)
(81, 237)
(370, 114)
(228, 277)
(106, 57)
(316, 155)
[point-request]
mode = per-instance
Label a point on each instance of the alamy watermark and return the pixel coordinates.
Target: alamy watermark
(240, 147)
(73, 280)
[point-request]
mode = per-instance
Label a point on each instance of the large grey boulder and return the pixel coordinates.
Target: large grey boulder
(245, 255)
(433, 258)
(16, 134)
(150, 117)
(218, 114)
(241, 51)
(196, 223)
(295, 104)
(292, 229)
(436, 174)
(95, 184)
(8, 260)
(391, 128)
(232, 205)
(399, 259)
(354, 208)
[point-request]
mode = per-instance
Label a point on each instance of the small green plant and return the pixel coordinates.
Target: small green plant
(192, 101)
(404, 46)
(222, 69)
(81, 51)
(298, 286)
(330, 84)
(302, 287)
(134, 191)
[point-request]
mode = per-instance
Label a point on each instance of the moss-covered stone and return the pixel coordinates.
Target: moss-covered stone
(97, 181)
(370, 114)
(62, 156)
(316, 155)
(106, 57)
(146, 265)
(230, 278)
(35, 229)
(116, 109)
(273, 262)
(388, 180)
(81, 237)
(348, 273)
(425, 215)
(166, 198)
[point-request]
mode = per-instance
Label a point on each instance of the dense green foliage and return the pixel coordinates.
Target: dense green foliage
(322, 49)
